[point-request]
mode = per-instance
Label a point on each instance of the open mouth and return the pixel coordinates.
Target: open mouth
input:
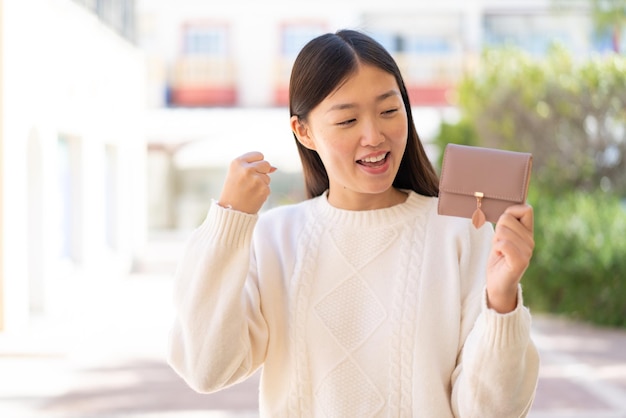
(375, 161)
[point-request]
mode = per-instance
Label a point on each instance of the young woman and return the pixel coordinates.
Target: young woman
(360, 301)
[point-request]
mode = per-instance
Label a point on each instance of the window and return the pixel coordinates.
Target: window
(205, 40)
(204, 74)
(535, 33)
(295, 35)
(119, 15)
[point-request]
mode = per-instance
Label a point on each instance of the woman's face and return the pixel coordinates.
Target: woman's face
(360, 132)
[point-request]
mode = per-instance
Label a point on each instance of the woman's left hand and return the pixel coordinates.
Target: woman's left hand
(511, 250)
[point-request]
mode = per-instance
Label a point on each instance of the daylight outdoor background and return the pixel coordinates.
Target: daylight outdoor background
(118, 119)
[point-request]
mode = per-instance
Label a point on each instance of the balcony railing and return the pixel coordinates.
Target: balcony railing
(198, 81)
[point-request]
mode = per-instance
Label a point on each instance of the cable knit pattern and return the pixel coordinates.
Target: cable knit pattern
(404, 322)
(351, 314)
(358, 396)
(308, 244)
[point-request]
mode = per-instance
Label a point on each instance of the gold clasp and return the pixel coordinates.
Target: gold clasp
(478, 217)
(479, 197)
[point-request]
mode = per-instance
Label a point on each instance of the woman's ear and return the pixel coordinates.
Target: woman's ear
(301, 131)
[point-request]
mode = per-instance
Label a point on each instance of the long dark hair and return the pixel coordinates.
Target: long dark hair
(322, 64)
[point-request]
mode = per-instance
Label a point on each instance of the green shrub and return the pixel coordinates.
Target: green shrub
(567, 111)
(579, 264)
(462, 132)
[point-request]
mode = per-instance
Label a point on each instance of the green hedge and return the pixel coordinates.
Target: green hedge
(579, 264)
(569, 112)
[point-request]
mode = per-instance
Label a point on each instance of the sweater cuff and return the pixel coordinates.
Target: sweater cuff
(228, 227)
(509, 329)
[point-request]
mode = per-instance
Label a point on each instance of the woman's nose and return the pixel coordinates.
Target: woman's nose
(371, 135)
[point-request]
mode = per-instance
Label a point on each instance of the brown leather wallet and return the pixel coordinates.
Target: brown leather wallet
(480, 183)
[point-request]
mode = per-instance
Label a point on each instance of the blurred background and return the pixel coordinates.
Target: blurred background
(118, 119)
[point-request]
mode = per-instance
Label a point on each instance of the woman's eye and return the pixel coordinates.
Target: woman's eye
(390, 111)
(346, 122)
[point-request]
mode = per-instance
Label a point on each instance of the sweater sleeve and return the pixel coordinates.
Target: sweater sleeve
(219, 335)
(498, 367)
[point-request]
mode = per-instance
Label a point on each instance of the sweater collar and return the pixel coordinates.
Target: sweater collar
(414, 204)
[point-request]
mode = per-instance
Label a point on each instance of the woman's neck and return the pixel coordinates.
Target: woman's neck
(367, 201)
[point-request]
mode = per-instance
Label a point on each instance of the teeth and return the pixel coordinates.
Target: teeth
(374, 159)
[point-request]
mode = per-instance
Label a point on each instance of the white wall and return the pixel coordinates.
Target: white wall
(66, 75)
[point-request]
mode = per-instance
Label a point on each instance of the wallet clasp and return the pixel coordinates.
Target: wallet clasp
(478, 217)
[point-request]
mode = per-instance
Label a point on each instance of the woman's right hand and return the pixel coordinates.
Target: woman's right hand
(247, 183)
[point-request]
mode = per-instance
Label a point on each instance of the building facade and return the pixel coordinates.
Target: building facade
(240, 53)
(211, 65)
(72, 148)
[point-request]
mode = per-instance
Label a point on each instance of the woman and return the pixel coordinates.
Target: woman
(360, 301)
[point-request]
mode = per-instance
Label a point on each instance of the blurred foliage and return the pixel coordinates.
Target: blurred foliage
(579, 264)
(570, 114)
(462, 132)
(610, 16)
(607, 16)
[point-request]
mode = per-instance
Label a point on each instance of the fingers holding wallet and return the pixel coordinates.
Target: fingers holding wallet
(511, 251)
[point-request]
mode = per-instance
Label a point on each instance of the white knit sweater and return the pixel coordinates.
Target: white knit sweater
(351, 314)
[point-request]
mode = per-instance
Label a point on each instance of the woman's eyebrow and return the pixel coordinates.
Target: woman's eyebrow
(390, 93)
(341, 106)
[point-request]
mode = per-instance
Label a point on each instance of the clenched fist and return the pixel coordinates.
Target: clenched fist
(247, 183)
